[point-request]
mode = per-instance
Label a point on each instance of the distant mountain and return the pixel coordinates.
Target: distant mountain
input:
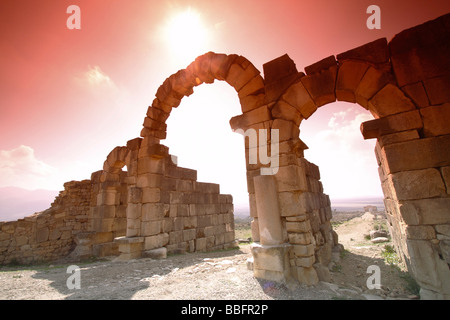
(357, 204)
(16, 203)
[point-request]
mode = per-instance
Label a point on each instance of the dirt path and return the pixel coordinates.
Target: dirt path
(215, 275)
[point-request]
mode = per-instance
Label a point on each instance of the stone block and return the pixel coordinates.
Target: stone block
(300, 238)
(108, 198)
(420, 232)
(175, 237)
(427, 268)
(417, 184)
(373, 81)
(150, 228)
(279, 68)
(349, 76)
(319, 66)
(306, 275)
(200, 244)
(437, 89)
(389, 100)
(375, 52)
(305, 262)
(291, 178)
(271, 258)
(398, 137)
(251, 117)
(390, 124)
(254, 225)
(445, 171)
(256, 84)
(425, 211)
(159, 253)
(300, 227)
(238, 77)
(436, 120)
(189, 234)
(150, 165)
(154, 195)
(283, 110)
(134, 210)
(154, 151)
(252, 102)
(149, 180)
(298, 96)
(153, 211)
(303, 250)
(417, 154)
(270, 227)
(416, 91)
(321, 85)
(103, 225)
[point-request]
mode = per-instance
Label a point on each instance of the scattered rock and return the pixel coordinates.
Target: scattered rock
(379, 240)
(378, 233)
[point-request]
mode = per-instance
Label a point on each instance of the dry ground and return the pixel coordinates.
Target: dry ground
(214, 275)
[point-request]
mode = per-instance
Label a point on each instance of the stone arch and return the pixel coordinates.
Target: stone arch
(236, 70)
(406, 89)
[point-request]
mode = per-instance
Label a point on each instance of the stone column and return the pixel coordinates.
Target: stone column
(270, 227)
(271, 255)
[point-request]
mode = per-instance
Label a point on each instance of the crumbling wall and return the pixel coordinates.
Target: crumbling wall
(48, 235)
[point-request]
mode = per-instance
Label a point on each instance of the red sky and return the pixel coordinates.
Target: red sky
(68, 97)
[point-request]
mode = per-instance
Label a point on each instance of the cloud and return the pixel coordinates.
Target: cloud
(19, 167)
(95, 77)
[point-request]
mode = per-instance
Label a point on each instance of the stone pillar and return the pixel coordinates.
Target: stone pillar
(270, 227)
(271, 255)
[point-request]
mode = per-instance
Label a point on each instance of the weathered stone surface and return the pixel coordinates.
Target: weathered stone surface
(375, 52)
(436, 120)
(271, 262)
(428, 269)
(394, 123)
(446, 176)
(417, 154)
(270, 227)
(298, 96)
(417, 184)
(373, 81)
(389, 100)
(349, 76)
(398, 137)
(247, 119)
(417, 93)
(321, 85)
(425, 211)
(306, 275)
(283, 110)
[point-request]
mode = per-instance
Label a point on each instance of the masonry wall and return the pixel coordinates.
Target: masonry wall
(51, 234)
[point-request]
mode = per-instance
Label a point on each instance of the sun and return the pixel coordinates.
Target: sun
(186, 34)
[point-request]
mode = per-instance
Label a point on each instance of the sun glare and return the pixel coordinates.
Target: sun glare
(186, 35)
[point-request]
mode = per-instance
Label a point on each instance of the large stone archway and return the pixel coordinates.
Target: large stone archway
(156, 207)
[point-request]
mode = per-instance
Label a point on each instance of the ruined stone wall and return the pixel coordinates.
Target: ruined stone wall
(51, 234)
(413, 153)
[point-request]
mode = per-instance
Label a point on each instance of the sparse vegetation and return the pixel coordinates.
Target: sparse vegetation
(389, 255)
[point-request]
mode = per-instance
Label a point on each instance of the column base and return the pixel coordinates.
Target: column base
(271, 262)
